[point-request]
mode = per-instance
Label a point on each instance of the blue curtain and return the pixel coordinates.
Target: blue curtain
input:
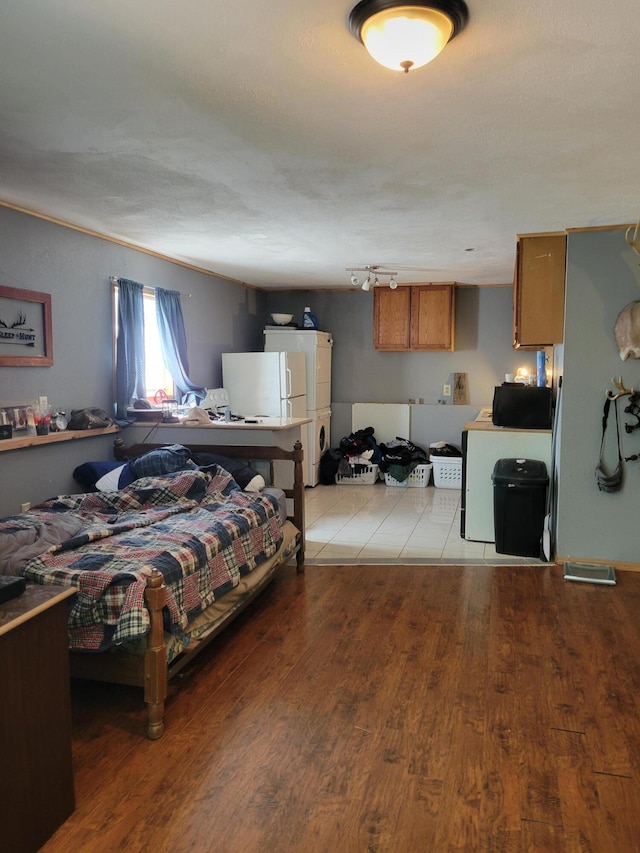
(173, 341)
(130, 380)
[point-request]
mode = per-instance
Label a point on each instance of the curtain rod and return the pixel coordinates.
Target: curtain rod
(114, 280)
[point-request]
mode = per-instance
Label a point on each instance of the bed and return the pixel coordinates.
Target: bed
(162, 564)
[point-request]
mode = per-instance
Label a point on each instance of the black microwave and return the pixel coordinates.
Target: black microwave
(522, 406)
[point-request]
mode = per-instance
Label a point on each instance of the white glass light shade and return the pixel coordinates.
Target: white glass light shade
(406, 36)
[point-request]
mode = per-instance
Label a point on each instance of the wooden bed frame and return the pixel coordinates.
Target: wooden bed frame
(152, 669)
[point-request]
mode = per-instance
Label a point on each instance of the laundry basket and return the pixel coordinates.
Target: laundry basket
(447, 472)
(361, 475)
(417, 479)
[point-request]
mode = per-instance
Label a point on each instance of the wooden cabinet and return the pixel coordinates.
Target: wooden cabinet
(36, 782)
(538, 290)
(414, 317)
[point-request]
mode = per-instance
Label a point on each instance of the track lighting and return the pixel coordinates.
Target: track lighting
(374, 273)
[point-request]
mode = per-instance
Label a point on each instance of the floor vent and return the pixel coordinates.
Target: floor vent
(589, 573)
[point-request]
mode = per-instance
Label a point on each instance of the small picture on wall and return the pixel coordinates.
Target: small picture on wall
(460, 396)
(18, 417)
(25, 328)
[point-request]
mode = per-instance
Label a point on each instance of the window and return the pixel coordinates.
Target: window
(151, 335)
(157, 378)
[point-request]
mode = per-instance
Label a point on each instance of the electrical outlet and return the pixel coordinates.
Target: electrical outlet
(25, 506)
(446, 390)
(43, 403)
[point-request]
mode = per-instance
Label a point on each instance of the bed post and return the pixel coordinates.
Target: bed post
(298, 503)
(155, 657)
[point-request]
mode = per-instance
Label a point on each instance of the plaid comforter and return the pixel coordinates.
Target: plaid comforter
(200, 531)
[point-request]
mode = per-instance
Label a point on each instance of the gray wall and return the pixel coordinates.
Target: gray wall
(361, 374)
(603, 275)
(75, 269)
(220, 316)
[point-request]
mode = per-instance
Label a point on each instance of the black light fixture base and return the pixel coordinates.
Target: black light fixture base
(456, 10)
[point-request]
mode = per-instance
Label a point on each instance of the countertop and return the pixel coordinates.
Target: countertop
(488, 426)
(32, 601)
(273, 424)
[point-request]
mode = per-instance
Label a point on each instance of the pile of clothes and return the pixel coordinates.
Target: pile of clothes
(356, 453)
(359, 450)
(400, 457)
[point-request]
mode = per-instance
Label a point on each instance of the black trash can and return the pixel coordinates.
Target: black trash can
(519, 504)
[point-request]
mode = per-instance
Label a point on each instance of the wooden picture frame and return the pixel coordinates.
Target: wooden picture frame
(460, 391)
(25, 328)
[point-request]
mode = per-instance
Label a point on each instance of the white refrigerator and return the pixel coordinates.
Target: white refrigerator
(265, 384)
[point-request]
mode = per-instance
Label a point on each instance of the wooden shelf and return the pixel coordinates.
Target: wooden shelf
(53, 437)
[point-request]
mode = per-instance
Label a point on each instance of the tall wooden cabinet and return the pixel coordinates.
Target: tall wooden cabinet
(414, 317)
(538, 290)
(36, 780)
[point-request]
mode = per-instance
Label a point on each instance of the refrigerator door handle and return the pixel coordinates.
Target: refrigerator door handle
(289, 406)
(288, 375)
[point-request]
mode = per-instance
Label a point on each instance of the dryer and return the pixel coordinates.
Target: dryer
(318, 440)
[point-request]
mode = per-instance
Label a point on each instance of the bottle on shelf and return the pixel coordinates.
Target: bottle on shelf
(309, 320)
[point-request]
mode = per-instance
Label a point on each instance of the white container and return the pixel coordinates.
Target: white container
(418, 479)
(447, 472)
(366, 475)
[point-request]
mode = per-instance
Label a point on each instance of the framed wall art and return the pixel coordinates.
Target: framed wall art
(25, 328)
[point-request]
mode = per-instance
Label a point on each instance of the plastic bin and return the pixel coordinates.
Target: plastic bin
(447, 472)
(519, 505)
(417, 479)
(361, 475)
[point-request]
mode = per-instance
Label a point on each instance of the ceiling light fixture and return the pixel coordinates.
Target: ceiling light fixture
(373, 272)
(407, 35)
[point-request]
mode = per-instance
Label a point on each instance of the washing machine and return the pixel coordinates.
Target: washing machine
(318, 440)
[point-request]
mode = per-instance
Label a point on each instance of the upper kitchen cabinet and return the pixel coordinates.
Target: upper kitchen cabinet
(414, 317)
(538, 290)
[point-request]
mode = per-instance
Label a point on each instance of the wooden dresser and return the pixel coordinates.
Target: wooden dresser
(36, 777)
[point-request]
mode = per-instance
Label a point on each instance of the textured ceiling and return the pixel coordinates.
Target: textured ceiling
(261, 142)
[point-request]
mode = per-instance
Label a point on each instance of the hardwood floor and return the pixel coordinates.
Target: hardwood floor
(382, 708)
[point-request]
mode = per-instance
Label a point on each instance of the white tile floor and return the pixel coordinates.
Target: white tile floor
(389, 524)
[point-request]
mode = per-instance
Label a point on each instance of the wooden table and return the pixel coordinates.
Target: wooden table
(36, 775)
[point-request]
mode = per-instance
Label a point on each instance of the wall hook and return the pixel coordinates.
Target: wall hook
(621, 392)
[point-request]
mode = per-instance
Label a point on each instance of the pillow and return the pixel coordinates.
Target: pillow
(110, 481)
(165, 460)
(246, 477)
(256, 484)
(89, 473)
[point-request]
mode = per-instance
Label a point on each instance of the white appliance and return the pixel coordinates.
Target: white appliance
(267, 384)
(389, 420)
(482, 445)
(319, 431)
(317, 347)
